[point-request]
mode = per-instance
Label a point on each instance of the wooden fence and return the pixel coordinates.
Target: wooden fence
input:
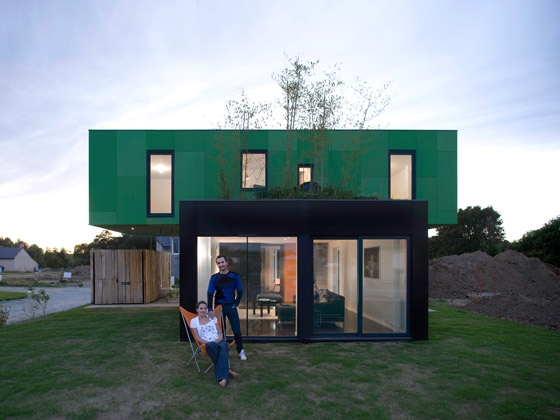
(120, 276)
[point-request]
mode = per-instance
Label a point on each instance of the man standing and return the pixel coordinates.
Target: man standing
(225, 289)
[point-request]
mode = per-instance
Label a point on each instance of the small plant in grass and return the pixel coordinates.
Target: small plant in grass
(37, 301)
(4, 315)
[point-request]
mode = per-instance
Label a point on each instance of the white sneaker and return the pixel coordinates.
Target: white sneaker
(242, 355)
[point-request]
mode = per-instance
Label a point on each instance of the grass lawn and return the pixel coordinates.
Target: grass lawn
(128, 364)
(12, 296)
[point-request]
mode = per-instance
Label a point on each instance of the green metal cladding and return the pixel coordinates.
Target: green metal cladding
(351, 159)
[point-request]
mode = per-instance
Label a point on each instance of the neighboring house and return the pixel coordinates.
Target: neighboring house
(311, 269)
(171, 246)
(17, 259)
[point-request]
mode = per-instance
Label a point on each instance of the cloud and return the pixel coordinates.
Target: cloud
(482, 68)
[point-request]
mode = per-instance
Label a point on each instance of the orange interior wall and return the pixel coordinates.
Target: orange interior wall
(290, 272)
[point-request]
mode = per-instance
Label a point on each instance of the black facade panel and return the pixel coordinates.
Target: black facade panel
(293, 217)
(309, 219)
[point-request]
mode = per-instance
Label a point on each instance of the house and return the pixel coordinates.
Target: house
(171, 246)
(327, 269)
(17, 259)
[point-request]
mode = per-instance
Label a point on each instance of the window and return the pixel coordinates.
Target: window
(160, 183)
(371, 302)
(305, 173)
(384, 285)
(253, 169)
(175, 246)
(335, 286)
(401, 177)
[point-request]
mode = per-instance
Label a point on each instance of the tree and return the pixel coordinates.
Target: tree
(543, 243)
(311, 102)
(81, 254)
(36, 253)
(364, 104)
(105, 240)
(477, 229)
(292, 80)
(55, 259)
(241, 115)
(7, 243)
(134, 242)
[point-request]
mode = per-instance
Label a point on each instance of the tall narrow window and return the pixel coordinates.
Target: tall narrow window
(305, 173)
(160, 184)
(253, 169)
(335, 285)
(401, 179)
(384, 286)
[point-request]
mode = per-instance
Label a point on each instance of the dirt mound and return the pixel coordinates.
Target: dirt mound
(509, 285)
(81, 271)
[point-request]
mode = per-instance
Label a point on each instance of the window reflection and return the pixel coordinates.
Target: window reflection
(336, 286)
(384, 286)
(305, 174)
(253, 170)
(335, 277)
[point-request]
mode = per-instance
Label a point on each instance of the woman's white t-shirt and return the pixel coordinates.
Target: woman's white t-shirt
(209, 331)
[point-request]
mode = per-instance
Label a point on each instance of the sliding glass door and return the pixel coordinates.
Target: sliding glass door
(268, 270)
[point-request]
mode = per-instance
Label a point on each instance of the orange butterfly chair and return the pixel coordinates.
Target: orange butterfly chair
(197, 347)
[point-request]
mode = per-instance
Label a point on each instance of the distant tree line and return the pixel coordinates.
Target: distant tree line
(59, 259)
(543, 243)
(51, 257)
(479, 229)
(105, 240)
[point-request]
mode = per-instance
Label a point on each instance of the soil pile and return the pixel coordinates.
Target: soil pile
(82, 274)
(81, 271)
(509, 286)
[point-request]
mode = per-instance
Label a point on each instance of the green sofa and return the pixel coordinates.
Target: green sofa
(328, 307)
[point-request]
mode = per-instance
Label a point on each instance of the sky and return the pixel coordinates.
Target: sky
(488, 69)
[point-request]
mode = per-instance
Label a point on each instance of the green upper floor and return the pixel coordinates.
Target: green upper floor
(138, 177)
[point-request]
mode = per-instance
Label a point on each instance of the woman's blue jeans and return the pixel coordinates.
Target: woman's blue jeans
(219, 355)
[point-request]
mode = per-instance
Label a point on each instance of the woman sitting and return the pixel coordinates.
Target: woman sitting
(205, 330)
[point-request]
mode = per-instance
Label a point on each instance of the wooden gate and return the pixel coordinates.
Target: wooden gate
(120, 276)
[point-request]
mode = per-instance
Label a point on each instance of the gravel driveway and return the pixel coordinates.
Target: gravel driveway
(61, 299)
